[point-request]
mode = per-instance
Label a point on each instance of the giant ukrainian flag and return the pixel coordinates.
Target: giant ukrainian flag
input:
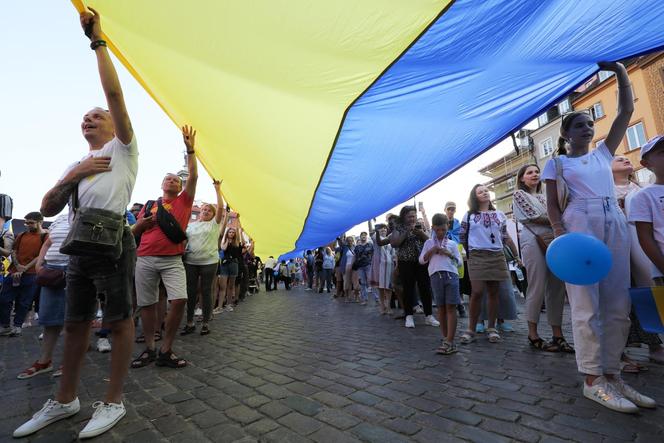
(320, 114)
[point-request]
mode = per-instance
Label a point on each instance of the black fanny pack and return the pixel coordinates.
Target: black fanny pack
(167, 222)
(94, 232)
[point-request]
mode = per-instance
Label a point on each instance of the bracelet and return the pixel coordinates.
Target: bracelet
(191, 152)
(97, 43)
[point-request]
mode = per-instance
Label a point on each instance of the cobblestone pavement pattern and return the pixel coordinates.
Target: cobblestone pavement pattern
(297, 366)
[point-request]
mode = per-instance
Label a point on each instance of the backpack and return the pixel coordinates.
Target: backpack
(6, 207)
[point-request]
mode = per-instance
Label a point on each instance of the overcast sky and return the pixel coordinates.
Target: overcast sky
(49, 80)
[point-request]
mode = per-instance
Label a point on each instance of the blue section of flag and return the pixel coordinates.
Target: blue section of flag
(643, 300)
(483, 70)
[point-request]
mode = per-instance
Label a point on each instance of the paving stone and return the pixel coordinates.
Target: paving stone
(365, 398)
(373, 433)
(147, 436)
(209, 418)
(169, 425)
(423, 404)
(190, 407)
(431, 435)
(243, 414)
(496, 412)
(366, 413)
(302, 388)
(338, 419)
(273, 391)
(299, 423)
(329, 399)
(225, 432)
(177, 397)
(436, 422)
(275, 409)
(461, 416)
(283, 435)
(478, 435)
(302, 405)
(256, 400)
(402, 426)
(262, 426)
(327, 434)
(512, 430)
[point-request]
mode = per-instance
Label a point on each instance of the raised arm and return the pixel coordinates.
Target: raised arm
(91, 23)
(625, 105)
(219, 215)
(189, 138)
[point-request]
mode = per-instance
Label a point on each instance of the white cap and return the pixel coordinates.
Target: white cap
(651, 144)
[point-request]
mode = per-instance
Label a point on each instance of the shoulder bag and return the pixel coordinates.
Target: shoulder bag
(94, 232)
(543, 241)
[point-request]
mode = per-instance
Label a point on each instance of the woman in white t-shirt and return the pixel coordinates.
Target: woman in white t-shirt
(201, 259)
(483, 233)
(640, 265)
(600, 312)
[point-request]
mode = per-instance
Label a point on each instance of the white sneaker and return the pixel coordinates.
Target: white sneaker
(41, 336)
(409, 321)
(607, 395)
(198, 312)
(631, 394)
(229, 308)
(103, 345)
(51, 412)
(16, 332)
(106, 415)
(418, 309)
(218, 310)
(431, 321)
(35, 318)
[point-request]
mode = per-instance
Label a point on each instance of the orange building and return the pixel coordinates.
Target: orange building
(599, 97)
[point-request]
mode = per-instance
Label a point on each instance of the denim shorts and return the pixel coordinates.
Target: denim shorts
(97, 278)
(445, 287)
(52, 306)
(230, 269)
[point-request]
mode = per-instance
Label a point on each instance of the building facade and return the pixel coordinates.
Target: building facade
(599, 98)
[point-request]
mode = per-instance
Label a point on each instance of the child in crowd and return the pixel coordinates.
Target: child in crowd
(483, 234)
(647, 206)
(443, 257)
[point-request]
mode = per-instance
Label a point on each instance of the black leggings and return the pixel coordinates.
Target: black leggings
(206, 273)
(411, 273)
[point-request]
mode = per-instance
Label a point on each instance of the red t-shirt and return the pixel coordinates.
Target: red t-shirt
(153, 241)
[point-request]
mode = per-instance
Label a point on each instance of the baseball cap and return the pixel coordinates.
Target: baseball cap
(450, 204)
(650, 145)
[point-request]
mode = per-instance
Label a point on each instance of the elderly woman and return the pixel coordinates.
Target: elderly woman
(201, 258)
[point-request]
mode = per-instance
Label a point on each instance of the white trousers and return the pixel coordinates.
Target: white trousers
(600, 312)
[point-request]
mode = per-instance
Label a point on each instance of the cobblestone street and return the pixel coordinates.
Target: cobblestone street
(298, 366)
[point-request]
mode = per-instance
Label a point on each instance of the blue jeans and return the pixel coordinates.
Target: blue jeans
(22, 296)
(363, 274)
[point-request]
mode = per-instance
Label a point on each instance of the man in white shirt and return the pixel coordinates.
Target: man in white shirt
(104, 179)
(268, 273)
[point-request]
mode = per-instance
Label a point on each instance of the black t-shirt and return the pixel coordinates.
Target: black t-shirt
(233, 252)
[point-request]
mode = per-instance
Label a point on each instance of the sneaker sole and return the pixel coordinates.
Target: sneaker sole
(53, 420)
(43, 371)
(89, 434)
(613, 408)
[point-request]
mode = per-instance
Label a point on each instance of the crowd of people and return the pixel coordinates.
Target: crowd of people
(152, 264)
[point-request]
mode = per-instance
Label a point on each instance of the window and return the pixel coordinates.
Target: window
(636, 136)
(511, 183)
(546, 147)
(564, 107)
(543, 119)
(597, 111)
(603, 75)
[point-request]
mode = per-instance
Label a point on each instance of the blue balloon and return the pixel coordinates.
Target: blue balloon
(579, 259)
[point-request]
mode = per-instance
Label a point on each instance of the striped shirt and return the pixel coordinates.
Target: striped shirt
(57, 233)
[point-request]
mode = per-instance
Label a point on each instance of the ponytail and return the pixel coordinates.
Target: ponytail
(562, 149)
